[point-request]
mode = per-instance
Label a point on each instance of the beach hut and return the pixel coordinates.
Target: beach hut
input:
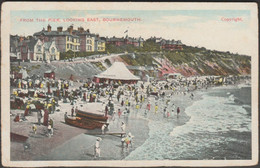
(174, 75)
(49, 74)
(118, 72)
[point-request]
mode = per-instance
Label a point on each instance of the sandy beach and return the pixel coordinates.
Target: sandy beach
(72, 143)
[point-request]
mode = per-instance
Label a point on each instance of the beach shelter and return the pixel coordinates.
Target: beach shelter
(118, 72)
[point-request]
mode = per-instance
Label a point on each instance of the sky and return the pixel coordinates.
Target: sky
(213, 29)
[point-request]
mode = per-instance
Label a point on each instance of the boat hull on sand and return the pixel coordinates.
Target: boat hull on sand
(92, 116)
(84, 122)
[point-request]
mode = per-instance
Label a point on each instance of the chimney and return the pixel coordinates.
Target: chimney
(81, 29)
(70, 29)
(88, 30)
(49, 28)
(59, 29)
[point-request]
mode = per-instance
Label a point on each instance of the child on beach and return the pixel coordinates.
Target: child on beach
(123, 126)
(119, 113)
(164, 112)
(72, 111)
(97, 150)
(49, 130)
(122, 102)
(168, 114)
(137, 107)
(148, 106)
(103, 128)
(145, 112)
(156, 108)
(34, 128)
(178, 111)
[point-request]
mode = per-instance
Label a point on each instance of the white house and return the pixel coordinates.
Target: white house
(51, 52)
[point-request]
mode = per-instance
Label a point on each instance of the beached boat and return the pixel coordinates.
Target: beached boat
(84, 122)
(17, 137)
(92, 116)
(89, 116)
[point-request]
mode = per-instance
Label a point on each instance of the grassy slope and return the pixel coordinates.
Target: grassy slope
(191, 59)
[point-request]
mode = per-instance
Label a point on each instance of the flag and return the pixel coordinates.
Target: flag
(126, 31)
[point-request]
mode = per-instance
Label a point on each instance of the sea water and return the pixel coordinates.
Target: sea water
(219, 128)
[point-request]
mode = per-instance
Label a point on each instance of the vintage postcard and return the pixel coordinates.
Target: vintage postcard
(129, 84)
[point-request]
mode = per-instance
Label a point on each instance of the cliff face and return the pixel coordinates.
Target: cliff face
(194, 61)
(190, 61)
(212, 64)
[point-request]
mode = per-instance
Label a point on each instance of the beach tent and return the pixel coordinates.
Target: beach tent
(117, 72)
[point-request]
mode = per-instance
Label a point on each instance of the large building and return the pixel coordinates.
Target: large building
(100, 45)
(166, 44)
(64, 40)
(171, 45)
(89, 42)
(33, 49)
(137, 42)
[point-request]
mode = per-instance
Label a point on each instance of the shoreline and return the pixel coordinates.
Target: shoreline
(66, 135)
(183, 101)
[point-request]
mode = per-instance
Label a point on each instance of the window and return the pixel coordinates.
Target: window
(68, 46)
(39, 48)
(52, 50)
(24, 49)
(68, 38)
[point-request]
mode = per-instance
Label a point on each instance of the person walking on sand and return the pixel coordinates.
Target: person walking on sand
(156, 108)
(122, 102)
(34, 128)
(65, 115)
(148, 106)
(39, 117)
(123, 126)
(191, 96)
(103, 128)
(106, 110)
(76, 110)
(119, 113)
(72, 111)
(49, 130)
(137, 107)
(97, 150)
(51, 124)
(113, 116)
(45, 117)
(178, 112)
(168, 114)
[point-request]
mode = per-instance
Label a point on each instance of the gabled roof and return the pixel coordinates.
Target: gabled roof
(47, 45)
(54, 33)
(31, 43)
(117, 71)
(115, 39)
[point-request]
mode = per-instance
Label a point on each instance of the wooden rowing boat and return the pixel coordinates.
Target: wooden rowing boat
(18, 138)
(84, 122)
(92, 116)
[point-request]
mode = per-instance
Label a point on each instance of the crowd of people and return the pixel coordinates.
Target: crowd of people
(120, 99)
